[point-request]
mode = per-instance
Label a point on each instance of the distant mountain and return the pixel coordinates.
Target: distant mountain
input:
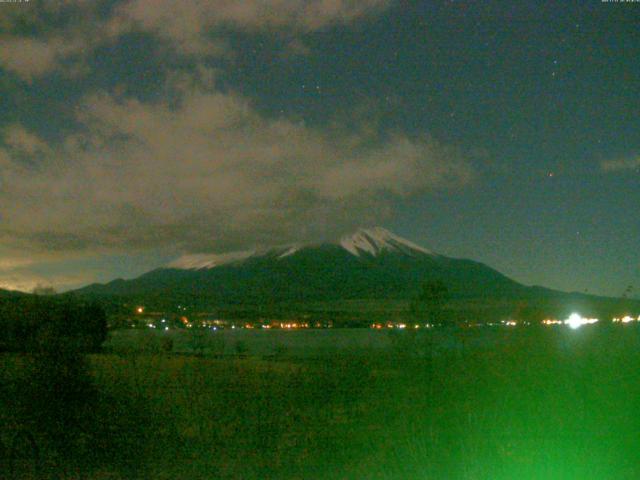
(370, 265)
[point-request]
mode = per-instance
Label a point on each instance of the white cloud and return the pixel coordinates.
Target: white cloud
(20, 270)
(620, 164)
(11, 263)
(208, 174)
(190, 26)
(19, 139)
(29, 57)
(26, 281)
(48, 49)
(190, 19)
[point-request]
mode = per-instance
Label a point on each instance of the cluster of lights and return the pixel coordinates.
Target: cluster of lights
(151, 325)
(401, 326)
(551, 321)
(575, 320)
(293, 325)
(626, 319)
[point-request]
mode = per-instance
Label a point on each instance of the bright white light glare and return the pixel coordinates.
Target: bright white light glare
(575, 320)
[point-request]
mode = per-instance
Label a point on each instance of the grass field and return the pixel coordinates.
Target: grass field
(534, 403)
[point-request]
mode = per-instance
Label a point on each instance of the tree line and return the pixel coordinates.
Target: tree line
(36, 323)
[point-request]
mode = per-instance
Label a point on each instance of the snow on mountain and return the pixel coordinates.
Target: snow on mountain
(377, 239)
(289, 251)
(370, 241)
(204, 260)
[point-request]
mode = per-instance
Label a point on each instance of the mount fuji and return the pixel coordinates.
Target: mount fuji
(371, 263)
(371, 269)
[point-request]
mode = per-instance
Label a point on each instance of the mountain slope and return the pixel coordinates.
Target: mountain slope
(369, 272)
(11, 293)
(370, 264)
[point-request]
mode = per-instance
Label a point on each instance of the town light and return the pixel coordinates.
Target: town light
(552, 321)
(575, 321)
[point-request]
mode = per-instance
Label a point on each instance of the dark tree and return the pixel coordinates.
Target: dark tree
(46, 323)
(94, 321)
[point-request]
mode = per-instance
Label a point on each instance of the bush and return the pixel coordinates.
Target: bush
(55, 401)
(35, 324)
(80, 428)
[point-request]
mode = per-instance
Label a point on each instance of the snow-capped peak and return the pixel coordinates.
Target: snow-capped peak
(371, 241)
(375, 240)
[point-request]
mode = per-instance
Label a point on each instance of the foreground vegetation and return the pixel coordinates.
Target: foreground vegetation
(541, 403)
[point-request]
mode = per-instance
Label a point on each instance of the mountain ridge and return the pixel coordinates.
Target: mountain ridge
(370, 263)
(374, 266)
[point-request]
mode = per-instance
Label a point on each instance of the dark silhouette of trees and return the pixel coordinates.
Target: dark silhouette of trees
(44, 290)
(58, 423)
(35, 323)
(93, 322)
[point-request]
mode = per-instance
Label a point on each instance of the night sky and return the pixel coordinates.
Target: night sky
(134, 131)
